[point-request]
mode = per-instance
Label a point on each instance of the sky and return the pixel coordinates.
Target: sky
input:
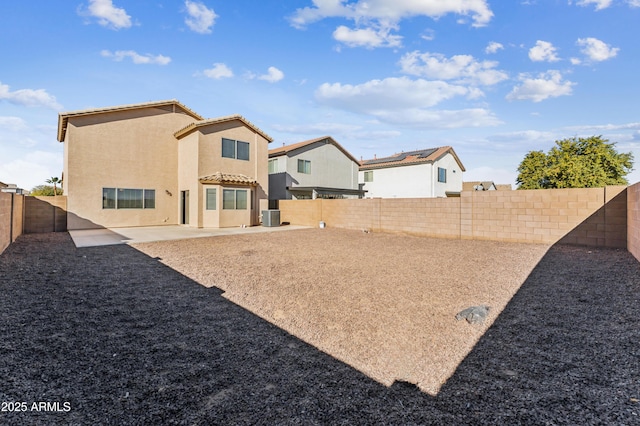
(492, 79)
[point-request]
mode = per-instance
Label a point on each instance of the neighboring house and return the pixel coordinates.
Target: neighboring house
(479, 186)
(159, 163)
(485, 186)
(317, 168)
(11, 188)
(427, 173)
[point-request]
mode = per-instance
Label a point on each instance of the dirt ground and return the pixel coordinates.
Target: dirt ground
(111, 335)
(383, 303)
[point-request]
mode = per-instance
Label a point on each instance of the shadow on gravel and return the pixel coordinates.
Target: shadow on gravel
(127, 340)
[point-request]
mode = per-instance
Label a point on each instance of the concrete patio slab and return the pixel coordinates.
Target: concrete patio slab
(145, 234)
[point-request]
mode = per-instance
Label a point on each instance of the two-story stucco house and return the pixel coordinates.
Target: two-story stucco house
(427, 173)
(316, 168)
(159, 163)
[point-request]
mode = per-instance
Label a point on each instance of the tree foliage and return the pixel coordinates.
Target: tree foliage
(575, 163)
(45, 190)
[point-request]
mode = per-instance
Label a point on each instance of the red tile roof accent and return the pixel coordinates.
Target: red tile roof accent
(228, 178)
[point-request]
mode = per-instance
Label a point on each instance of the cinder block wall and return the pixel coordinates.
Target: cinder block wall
(590, 216)
(633, 220)
(45, 214)
(10, 218)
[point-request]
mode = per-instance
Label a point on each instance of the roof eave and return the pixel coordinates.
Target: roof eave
(63, 117)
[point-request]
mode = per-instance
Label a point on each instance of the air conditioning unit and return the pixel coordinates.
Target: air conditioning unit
(270, 217)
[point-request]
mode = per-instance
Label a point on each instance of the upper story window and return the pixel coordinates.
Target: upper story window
(273, 166)
(235, 149)
(368, 176)
(304, 166)
(442, 175)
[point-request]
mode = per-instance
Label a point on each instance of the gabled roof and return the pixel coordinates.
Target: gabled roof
(211, 121)
(63, 117)
(410, 158)
(227, 178)
(478, 185)
(276, 152)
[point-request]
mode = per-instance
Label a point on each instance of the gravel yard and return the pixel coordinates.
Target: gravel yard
(317, 327)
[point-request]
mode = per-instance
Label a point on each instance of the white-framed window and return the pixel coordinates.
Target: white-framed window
(211, 198)
(234, 199)
(368, 176)
(128, 198)
(442, 175)
(273, 166)
(235, 149)
(304, 166)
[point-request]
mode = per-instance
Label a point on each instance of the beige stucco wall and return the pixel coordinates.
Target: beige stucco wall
(210, 161)
(188, 174)
(123, 149)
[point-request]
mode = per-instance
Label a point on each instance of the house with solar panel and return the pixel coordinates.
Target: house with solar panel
(160, 163)
(426, 173)
(316, 168)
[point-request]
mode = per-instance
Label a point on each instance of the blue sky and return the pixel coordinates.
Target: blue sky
(492, 79)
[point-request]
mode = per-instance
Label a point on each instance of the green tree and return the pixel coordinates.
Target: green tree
(575, 163)
(54, 181)
(45, 190)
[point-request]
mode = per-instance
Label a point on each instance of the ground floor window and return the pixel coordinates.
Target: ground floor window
(368, 176)
(234, 199)
(211, 198)
(128, 198)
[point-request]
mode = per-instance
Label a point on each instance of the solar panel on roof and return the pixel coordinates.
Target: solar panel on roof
(424, 153)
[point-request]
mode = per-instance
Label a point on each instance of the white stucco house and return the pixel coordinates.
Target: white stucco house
(427, 173)
(316, 168)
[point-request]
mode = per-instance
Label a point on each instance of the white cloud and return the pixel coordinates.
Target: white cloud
(634, 3)
(108, 15)
(12, 124)
(317, 128)
(603, 127)
(403, 101)
(366, 37)
(461, 68)
(119, 55)
(439, 119)
(600, 4)
(391, 11)
(544, 86)
(218, 71)
(32, 169)
(200, 18)
(543, 51)
(493, 47)
(388, 94)
(29, 97)
(273, 75)
(597, 50)
(527, 137)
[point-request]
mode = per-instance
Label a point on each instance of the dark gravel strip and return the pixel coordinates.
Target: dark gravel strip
(126, 340)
